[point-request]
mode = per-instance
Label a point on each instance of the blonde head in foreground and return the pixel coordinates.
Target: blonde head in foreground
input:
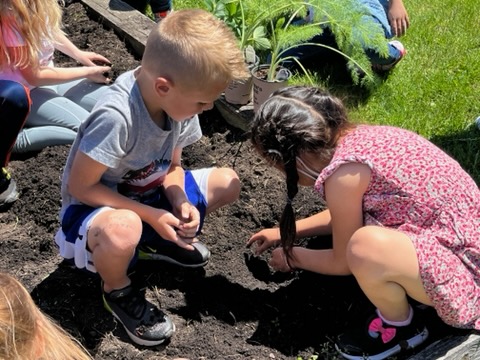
(28, 334)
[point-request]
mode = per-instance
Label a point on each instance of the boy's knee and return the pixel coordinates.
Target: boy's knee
(120, 231)
(224, 185)
(232, 184)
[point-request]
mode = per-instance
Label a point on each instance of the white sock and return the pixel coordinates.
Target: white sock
(398, 323)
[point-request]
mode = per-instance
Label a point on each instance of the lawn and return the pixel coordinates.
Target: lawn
(435, 90)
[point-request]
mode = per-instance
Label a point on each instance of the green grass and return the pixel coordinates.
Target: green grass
(435, 90)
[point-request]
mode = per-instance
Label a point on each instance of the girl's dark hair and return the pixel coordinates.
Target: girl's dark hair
(292, 121)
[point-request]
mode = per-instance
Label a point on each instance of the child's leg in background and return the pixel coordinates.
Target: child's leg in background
(378, 15)
(38, 138)
(56, 114)
(82, 92)
(14, 108)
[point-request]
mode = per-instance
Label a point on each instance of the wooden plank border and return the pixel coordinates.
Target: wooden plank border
(458, 347)
(129, 24)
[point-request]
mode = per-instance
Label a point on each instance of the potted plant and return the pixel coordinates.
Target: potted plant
(249, 19)
(285, 35)
(247, 24)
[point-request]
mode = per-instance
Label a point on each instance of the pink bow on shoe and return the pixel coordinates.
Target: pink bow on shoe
(376, 326)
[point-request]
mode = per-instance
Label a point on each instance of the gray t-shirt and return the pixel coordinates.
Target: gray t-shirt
(120, 134)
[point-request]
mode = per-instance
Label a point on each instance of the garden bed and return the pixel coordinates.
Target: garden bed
(235, 308)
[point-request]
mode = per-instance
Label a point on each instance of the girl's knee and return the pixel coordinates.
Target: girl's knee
(363, 247)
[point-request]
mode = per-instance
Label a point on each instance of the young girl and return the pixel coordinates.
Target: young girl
(404, 217)
(61, 97)
(26, 333)
(14, 108)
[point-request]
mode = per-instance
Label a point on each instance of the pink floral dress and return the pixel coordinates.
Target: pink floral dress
(419, 190)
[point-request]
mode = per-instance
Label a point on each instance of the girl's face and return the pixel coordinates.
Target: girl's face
(307, 169)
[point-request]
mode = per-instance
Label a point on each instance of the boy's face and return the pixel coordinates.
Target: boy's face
(182, 104)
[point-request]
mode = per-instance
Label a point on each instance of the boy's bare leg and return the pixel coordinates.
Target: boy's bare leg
(112, 239)
(384, 262)
(223, 188)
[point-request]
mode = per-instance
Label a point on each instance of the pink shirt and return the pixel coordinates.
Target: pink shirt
(12, 38)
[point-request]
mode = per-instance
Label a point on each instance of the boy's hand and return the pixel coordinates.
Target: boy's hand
(189, 219)
(166, 225)
(264, 239)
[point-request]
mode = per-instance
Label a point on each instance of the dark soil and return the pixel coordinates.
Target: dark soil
(234, 308)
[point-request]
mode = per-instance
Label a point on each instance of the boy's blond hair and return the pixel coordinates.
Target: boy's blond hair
(26, 333)
(193, 48)
(35, 21)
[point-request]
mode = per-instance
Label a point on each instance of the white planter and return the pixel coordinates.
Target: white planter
(263, 88)
(240, 92)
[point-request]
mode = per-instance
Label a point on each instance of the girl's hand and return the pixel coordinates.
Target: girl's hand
(89, 58)
(99, 74)
(166, 225)
(278, 261)
(398, 18)
(264, 239)
(101, 65)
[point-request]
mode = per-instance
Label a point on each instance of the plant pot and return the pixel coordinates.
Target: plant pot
(263, 88)
(240, 92)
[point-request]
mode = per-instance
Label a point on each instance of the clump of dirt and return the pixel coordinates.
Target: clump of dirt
(234, 308)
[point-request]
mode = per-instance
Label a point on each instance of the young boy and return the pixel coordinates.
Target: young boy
(124, 192)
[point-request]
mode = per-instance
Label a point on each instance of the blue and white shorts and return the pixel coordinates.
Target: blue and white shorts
(71, 238)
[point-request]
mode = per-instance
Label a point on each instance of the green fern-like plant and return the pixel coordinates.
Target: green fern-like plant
(249, 19)
(354, 30)
(274, 30)
(245, 23)
(285, 35)
(346, 20)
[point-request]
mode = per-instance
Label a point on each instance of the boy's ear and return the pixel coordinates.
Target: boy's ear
(163, 85)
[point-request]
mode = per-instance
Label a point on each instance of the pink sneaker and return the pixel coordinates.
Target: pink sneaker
(157, 17)
(387, 67)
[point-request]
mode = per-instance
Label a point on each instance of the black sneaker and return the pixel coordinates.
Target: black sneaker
(8, 188)
(172, 253)
(144, 323)
(377, 340)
